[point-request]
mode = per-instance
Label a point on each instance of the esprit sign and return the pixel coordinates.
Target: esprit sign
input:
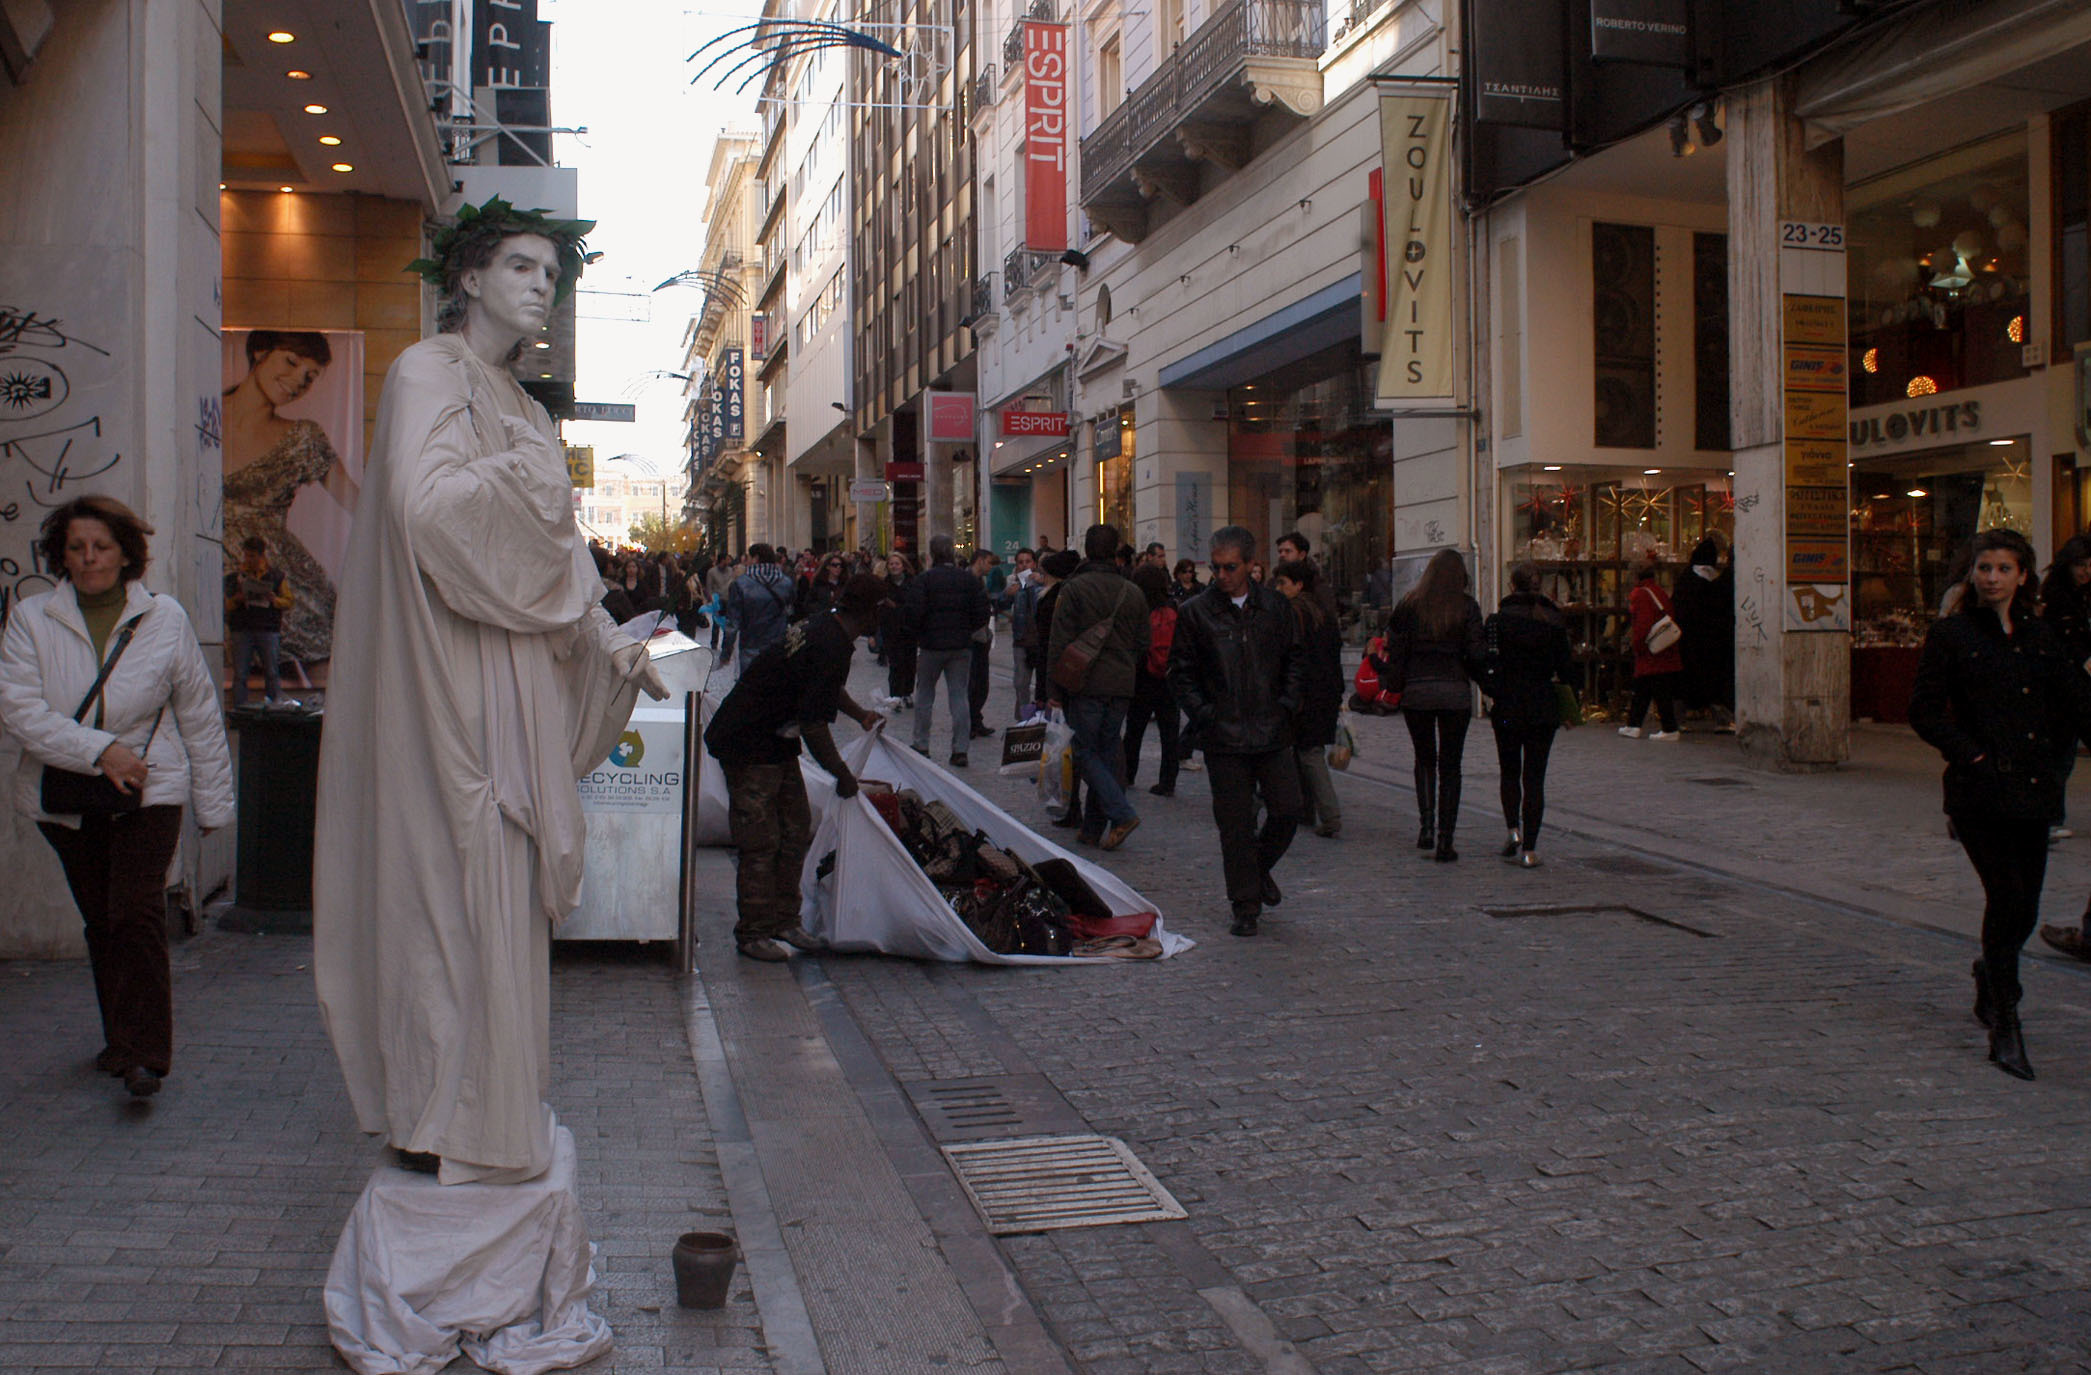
(1416, 345)
(1019, 424)
(1045, 136)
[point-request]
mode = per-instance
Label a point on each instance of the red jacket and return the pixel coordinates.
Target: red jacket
(1650, 604)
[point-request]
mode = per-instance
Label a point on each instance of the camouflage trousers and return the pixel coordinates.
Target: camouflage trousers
(772, 828)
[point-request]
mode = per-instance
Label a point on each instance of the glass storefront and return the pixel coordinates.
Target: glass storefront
(1115, 448)
(1938, 273)
(1910, 516)
(1309, 456)
(1585, 529)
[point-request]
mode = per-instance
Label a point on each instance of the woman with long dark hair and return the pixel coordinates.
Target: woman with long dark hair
(821, 591)
(1436, 648)
(893, 631)
(1658, 673)
(2065, 596)
(1528, 653)
(1314, 727)
(2001, 699)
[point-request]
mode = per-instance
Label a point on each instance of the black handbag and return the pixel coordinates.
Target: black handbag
(66, 793)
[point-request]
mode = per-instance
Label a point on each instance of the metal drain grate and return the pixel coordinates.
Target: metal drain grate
(1002, 1105)
(1718, 781)
(969, 1109)
(1625, 864)
(1597, 910)
(1044, 1183)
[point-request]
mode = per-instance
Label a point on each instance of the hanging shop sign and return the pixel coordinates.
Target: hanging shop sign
(1022, 424)
(866, 491)
(906, 471)
(580, 465)
(1416, 347)
(1657, 33)
(759, 337)
(621, 411)
(1516, 53)
(733, 370)
(1045, 137)
(950, 416)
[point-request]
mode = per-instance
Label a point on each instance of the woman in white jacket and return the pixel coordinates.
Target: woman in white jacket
(154, 731)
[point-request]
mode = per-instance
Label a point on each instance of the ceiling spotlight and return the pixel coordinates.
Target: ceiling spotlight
(1650, 472)
(1916, 492)
(286, 190)
(1702, 116)
(1681, 138)
(329, 141)
(279, 36)
(315, 109)
(1551, 468)
(541, 344)
(344, 166)
(295, 75)
(2001, 443)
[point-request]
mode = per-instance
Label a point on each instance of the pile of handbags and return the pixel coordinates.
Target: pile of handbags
(1013, 907)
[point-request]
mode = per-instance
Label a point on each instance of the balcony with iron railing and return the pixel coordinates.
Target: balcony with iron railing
(1013, 45)
(985, 89)
(1228, 91)
(1027, 269)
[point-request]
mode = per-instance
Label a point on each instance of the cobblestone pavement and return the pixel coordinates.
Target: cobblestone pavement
(194, 1231)
(1616, 1113)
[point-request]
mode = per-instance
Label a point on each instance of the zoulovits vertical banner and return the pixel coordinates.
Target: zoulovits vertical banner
(1416, 346)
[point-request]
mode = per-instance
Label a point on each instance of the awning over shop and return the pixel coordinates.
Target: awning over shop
(1300, 330)
(1941, 49)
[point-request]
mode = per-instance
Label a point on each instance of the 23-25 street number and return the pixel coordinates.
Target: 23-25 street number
(1803, 234)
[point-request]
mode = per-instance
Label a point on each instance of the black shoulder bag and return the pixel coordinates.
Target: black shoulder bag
(65, 793)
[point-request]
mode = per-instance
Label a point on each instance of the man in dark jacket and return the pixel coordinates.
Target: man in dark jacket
(1102, 611)
(940, 611)
(1239, 675)
(761, 603)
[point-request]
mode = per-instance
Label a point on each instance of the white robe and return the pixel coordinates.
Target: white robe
(471, 685)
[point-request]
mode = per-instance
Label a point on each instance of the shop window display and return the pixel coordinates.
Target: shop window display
(1586, 530)
(1114, 476)
(1938, 274)
(1313, 458)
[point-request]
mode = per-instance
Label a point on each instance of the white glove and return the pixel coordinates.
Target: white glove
(635, 665)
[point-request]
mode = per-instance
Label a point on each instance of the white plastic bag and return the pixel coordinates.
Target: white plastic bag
(1344, 747)
(1056, 765)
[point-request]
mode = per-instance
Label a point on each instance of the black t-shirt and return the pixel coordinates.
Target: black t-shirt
(797, 681)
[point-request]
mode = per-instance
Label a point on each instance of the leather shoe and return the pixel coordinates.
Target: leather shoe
(1271, 896)
(766, 950)
(2007, 1044)
(108, 1061)
(798, 938)
(1162, 790)
(982, 732)
(1985, 1010)
(958, 761)
(1427, 838)
(141, 1082)
(1115, 837)
(1243, 925)
(1068, 820)
(2067, 939)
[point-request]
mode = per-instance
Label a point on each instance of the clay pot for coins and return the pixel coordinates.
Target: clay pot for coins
(703, 1269)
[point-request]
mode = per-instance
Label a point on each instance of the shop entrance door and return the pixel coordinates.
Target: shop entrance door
(1009, 516)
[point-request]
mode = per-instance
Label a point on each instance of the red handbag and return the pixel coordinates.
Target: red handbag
(1376, 688)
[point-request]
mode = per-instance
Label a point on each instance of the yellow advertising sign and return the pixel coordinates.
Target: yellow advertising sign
(1814, 415)
(1815, 320)
(1815, 368)
(1416, 344)
(1814, 513)
(1815, 463)
(580, 465)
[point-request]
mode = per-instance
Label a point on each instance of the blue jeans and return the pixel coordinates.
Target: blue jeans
(245, 645)
(955, 667)
(1099, 725)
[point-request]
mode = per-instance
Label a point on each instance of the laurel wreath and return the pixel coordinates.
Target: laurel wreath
(493, 221)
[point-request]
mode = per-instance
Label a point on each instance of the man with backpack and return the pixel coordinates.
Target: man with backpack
(1099, 637)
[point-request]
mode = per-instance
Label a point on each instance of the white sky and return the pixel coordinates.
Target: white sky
(619, 71)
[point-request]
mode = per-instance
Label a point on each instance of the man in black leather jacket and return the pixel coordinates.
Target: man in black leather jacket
(1238, 673)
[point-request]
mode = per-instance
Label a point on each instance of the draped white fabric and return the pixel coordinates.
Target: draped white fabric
(876, 898)
(472, 685)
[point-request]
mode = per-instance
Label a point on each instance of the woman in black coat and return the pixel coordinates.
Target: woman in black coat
(1998, 695)
(2065, 596)
(1435, 650)
(1314, 728)
(893, 632)
(1528, 653)
(1705, 601)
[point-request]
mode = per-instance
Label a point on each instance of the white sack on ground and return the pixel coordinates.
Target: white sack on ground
(876, 899)
(499, 1271)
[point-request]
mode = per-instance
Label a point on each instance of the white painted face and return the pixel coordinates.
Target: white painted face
(512, 295)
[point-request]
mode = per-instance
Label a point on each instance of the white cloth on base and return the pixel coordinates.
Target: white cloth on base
(876, 898)
(499, 1271)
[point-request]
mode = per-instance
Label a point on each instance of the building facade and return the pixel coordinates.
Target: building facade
(733, 487)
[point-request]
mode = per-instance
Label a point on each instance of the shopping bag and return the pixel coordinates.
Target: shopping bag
(1021, 747)
(1056, 761)
(1567, 706)
(1345, 746)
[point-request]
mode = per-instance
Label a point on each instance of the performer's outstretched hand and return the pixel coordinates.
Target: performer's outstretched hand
(635, 665)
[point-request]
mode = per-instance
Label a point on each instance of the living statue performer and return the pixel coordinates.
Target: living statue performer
(474, 680)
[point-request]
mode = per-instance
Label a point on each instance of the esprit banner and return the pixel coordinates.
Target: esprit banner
(1516, 64)
(1045, 137)
(1416, 347)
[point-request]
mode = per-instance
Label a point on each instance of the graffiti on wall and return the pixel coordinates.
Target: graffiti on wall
(53, 444)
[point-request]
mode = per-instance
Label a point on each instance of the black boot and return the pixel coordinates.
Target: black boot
(2007, 1041)
(1985, 1013)
(1427, 834)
